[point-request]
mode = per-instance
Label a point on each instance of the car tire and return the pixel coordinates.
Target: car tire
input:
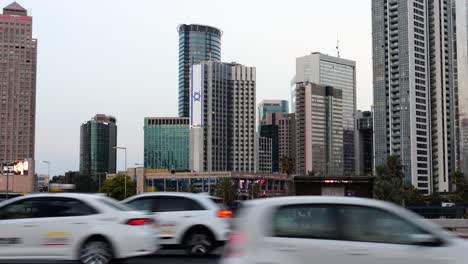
(96, 251)
(199, 243)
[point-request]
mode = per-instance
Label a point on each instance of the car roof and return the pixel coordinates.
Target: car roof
(179, 194)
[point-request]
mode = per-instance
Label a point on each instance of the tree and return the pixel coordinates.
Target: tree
(225, 189)
(115, 186)
(461, 187)
(389, 183)
(288, 165)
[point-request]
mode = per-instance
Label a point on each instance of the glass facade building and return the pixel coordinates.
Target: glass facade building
(197, 43)
(167, 143)
(272, 106)
(98, 138)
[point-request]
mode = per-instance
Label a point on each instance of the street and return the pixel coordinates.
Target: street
(173, 258)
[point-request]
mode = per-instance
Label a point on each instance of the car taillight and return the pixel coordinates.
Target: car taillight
(236, 244)
(139, 221)
(224, 213)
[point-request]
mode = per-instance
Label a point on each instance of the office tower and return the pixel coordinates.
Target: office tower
(276, 125)
(197, 43)
(97, 141)
(272, 106)
(18, 58)
(340, 74)
(264, 155)
(167, 143)
(319, 123)
(364, 143)
(222, 118)
(461, 81)
(413, 89)
(287, 137)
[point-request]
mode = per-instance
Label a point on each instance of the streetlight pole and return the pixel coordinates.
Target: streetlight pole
(48, 172)
(125, 181)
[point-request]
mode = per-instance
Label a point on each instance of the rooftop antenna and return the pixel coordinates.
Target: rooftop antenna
(337, 46)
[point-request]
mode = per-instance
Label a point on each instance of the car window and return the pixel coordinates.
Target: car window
(142, 204)
(171, 204)
(369, 224)
(114, 204)
(64, 207)
(305, 221)
(26, 208)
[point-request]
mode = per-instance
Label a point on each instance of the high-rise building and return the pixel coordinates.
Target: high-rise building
(415, 113)
(264, 155)
(319, 123)
(18, 55)
(276, 126)
(197, 43)
(97, 141)
(222, 118)
(293, 95)
(287, 137)
(461, 81)
(340, 74)
(272, 106)
(167, 143)
(364, 143)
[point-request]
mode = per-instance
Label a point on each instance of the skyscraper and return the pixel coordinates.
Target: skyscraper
(264, 155)
(413, 89)
(167, 142)
(319, 123)
(364, 143)
(222, 118)
(340, 74)
(197, 43)
(461, 81)
(98, 138)
(18, 54)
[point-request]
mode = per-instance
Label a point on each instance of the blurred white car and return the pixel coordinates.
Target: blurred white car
(328, 230)
(186, 220)
(84, 227)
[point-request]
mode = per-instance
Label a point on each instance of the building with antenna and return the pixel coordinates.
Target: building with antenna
(338, 73)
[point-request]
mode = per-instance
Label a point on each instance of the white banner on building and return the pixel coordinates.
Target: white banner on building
(196, 96)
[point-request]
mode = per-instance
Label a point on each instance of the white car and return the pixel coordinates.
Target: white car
(329, 230)
(186, 220)
(84, 227)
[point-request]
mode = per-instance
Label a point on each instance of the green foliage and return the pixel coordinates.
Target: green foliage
(389, 185)
(115, 187)
(288, 165)
(461, 188)
(225, 189)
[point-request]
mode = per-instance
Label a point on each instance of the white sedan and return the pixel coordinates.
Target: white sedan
(84, 227)
(328, 230)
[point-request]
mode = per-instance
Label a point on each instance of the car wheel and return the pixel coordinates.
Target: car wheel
(199, 243)
(96, 252)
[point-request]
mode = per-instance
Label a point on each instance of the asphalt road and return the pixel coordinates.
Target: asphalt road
(172, 258)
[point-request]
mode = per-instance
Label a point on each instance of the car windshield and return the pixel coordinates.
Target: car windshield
(114, 204)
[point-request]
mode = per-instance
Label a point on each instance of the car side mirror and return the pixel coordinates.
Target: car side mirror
(427, 240)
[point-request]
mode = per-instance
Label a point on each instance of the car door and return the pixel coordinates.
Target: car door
(300, 233)
(373, 235)
(67, 220)
(173, 216)
(17, 224)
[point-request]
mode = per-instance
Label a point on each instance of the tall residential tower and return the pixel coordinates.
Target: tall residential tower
(413, 89)
(18, 55)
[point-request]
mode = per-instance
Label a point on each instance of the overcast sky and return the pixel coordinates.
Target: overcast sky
(121, 58)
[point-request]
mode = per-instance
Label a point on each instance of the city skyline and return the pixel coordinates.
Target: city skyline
(127, 72)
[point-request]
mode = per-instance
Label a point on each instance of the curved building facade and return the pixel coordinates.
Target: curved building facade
(196, 43)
